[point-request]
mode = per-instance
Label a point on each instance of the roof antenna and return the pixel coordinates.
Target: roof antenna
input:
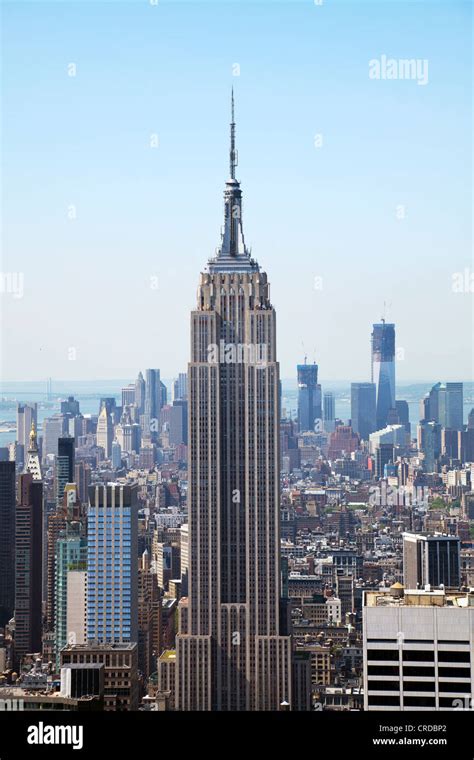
(233, 153)
(305, 354)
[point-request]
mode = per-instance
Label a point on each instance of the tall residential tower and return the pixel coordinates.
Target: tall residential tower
(112, 519)
(29, 555)
(7, 541)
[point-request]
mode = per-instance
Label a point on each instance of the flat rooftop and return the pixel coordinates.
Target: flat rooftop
(168, 654)
(103, 647)
(418, 598)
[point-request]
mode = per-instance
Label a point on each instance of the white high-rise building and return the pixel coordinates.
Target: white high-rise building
(26, 416)
(329, 412)
(105, 431)
(418, 649)
(53, 429)
(394, 434)
(76, 607)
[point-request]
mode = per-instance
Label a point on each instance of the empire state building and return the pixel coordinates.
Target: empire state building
(229, 651)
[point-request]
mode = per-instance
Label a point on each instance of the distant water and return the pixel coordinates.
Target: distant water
(89, 393)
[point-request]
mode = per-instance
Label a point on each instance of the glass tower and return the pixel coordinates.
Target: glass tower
(363, 409)
(309, 397)
(112, 563)
(383, 370)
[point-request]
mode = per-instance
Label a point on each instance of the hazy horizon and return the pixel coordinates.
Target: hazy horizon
(130, 379)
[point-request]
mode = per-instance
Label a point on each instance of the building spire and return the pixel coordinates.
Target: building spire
(33, 464)
(232, 254)
(233, 152)
(33, 441)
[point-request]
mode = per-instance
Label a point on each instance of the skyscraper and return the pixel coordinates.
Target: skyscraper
(110, 404)
(433, 560)
(7, 541)
(76, 607)
(429, 443)
(29, 556)
(82, 477)
(64, 466)
(163, 394)
(425, 409)
(105, 431)
(230, 654)
(116, 455)
(112, 563)
(127, 434)
(128, 394)
(466, 445)
(152, 393)
(383, 456)
(470, 420)
(70, 407)
(26, 416)
(173, 420)
(180, 387)
(329, 412)
(183, 404)
(53, 429)
(403, 415)
(140, 390)
(68, 511)
(309, 397)
(149, 616)
(66, 451)
(383, 370)
(434, 411)
(363, 409)
(444, 404)
(70, 556)
(153, 404)
(453, 406)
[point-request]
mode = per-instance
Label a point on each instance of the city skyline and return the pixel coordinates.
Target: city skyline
(125, 235)
(253, 534)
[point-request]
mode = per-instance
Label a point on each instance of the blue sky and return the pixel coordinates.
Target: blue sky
(145, 216)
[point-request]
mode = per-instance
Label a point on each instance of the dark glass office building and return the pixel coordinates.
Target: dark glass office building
(363, 408)
(433, 560)
(7, 541)
(383, 370)
(309, 397)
